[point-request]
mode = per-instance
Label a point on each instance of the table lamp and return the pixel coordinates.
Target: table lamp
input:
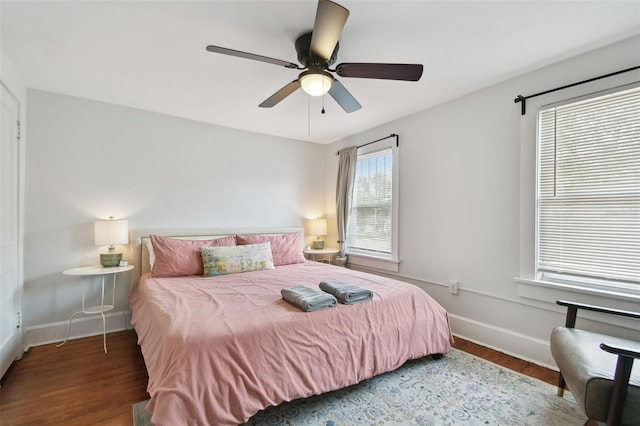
(109, 233)
(318, 227)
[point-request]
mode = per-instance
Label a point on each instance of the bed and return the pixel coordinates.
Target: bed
(219, 349)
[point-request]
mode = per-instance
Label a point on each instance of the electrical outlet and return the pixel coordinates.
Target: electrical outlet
(453, 286)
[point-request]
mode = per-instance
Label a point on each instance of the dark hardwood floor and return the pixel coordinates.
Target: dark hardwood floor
(78, 384)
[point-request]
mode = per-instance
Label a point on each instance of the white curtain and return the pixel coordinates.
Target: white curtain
(344, 191)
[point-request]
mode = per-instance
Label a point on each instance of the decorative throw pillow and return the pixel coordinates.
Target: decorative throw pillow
(177, 258)
(233, 259)
(286, 248)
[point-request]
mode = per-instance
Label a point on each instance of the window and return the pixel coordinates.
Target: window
(373, 219)
(588, 191)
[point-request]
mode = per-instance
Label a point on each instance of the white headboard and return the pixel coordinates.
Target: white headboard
(140, 254)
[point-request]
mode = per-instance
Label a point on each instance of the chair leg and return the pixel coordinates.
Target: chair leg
(561, 385)
(619, 390)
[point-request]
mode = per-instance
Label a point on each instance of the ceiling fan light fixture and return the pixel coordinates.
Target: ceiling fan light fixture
(316, 83)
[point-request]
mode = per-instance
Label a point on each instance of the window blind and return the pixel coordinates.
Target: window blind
(370, 227)
(589, 188)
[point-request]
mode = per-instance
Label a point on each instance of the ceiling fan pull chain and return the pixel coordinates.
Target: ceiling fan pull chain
(309, 116)
(323, 94)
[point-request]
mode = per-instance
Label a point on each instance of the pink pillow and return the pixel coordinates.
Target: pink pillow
(286, 249)
(177, 258)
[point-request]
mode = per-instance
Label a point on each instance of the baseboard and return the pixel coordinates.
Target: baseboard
(81, 326)
(503, 340)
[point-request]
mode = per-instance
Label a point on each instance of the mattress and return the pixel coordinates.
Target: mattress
(219, 349)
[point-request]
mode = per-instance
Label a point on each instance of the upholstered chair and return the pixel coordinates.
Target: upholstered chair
(599, 369)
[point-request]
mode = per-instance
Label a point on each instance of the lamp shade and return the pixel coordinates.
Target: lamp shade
(318, 227)
(111, 232)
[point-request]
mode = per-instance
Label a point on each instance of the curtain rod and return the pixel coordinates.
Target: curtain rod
(392, 135)
(523, 99)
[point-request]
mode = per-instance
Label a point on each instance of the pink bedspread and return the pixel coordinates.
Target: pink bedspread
(220, 349)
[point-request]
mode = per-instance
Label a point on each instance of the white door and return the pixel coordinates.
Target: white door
(10, 332)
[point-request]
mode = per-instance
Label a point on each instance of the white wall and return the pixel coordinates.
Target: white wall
(460, 171)
(89, 160)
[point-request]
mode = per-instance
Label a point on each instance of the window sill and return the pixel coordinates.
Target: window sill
(370, 262)
(550, 291)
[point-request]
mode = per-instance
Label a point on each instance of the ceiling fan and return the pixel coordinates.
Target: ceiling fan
(317, 51)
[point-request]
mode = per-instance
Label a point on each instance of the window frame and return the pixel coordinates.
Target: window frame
(369, 260)
(528, 283)
(586, 280)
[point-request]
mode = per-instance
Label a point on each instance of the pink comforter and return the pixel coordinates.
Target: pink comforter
(220, 349)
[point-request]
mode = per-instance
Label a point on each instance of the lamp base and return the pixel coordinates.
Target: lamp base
(109, 260)
(318, 244)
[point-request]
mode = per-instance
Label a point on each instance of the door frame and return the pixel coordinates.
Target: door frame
(19, 350)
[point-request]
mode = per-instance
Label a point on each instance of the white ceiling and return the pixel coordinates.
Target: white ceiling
(151, 54)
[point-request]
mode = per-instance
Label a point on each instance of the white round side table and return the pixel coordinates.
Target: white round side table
(324, 253)
(91, 271)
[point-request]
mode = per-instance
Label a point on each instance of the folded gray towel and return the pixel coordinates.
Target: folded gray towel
(308, 299)
(346, 293)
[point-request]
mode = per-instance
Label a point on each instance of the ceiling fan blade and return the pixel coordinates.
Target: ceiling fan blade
(280, 94)
(240, 54)
(408, 72)
(343, 97)
(330, 20)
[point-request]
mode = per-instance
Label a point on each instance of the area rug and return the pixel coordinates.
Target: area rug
(458, 389)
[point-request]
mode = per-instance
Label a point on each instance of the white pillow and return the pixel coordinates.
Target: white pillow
(152, 255)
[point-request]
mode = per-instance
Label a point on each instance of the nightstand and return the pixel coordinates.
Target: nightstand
(325, 255)
(93, 271)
